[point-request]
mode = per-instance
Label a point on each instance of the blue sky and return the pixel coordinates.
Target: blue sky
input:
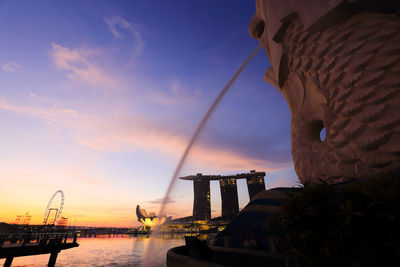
(99, 98)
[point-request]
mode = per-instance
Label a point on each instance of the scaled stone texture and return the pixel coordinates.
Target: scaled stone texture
(337, 64)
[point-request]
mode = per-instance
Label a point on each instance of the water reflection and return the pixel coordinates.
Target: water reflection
(109, 251)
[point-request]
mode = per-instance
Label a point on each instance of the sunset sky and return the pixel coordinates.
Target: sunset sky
(99, 99)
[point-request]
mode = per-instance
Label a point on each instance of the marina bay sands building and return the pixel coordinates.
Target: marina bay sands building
(201, 203)
(229, 193)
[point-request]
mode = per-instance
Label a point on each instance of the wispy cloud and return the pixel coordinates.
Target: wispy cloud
(138, 133)
(161, 200)
(80, 67)
(120, 27)
(11, 67)
(45, 113)
(174, 95)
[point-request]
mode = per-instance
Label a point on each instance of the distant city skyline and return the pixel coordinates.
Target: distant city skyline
(99, 98)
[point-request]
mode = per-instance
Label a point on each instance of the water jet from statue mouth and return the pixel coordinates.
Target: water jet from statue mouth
(193, 139)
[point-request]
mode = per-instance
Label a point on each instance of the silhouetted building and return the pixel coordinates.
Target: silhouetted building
(18, 220)
(255, 184)
(229, 193)
(229, 197)
(201, 204)
(62, 221)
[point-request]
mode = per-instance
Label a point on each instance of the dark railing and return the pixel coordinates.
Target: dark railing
(31, 239)
(30, 243)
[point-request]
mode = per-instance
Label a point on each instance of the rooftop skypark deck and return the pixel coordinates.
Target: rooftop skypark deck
(219, 177)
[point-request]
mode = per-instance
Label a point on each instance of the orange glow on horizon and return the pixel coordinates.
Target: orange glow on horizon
(95, 218)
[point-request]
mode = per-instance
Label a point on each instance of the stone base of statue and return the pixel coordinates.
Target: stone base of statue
(221, 256)
(244, 242)
(349, 224)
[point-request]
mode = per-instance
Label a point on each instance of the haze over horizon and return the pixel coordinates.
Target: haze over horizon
(100, 98)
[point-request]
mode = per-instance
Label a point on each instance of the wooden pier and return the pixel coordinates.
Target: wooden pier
(29, 244)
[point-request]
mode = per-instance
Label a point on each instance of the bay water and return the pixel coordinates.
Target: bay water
(108, 251)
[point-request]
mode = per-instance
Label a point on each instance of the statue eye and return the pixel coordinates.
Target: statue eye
(259, 29)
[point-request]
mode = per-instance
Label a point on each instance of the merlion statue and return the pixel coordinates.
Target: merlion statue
(337, 64)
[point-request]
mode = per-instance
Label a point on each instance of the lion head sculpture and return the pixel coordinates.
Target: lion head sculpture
(337, 64)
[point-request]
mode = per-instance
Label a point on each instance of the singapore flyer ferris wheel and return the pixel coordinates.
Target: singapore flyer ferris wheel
(49, 209)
